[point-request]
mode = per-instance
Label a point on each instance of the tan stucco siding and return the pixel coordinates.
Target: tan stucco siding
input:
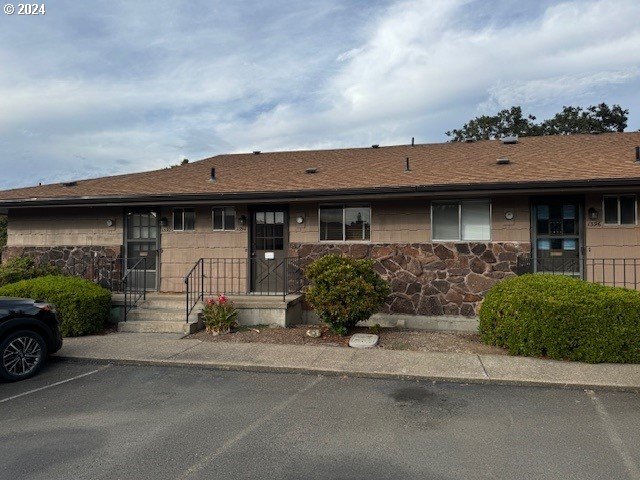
(400, 222)
(64, 226)
(409, 221)
(180, 250)
(308, 231)
(608, 245)
(516, 230)
(609, 241)
(393, 221)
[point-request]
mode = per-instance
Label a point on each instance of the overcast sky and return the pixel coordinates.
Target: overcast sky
(96, 88)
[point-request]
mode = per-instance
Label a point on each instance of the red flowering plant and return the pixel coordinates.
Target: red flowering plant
(220, 315)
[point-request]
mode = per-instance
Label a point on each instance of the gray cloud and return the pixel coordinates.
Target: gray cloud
(100, 88)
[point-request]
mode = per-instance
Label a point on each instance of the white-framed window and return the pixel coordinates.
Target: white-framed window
(461, 220)
(223, 218)
(619, 209)
(184, 219)
(344, 223)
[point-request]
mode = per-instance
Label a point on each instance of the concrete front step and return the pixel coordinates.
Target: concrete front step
(175, 301)
(157, 314)
(158, 326)
(167, 312)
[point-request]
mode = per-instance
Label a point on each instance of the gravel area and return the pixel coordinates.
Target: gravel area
(390, 338)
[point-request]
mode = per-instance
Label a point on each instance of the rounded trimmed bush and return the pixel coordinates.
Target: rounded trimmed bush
(562, 318)
(82, 306)
(23, 268)
(344, 291)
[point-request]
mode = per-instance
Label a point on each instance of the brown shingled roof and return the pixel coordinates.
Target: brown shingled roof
(551, 159)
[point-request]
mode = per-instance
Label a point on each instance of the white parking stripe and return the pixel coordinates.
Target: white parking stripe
(614, 436)
(52, 385)
(205, 461)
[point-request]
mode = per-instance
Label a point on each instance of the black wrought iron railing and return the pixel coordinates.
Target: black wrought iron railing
(194, 286)
(242, 276)
(134, 284)
(613, 272)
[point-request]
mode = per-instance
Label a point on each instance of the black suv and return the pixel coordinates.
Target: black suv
(29, 331)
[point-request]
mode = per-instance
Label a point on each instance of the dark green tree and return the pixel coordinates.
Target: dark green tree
(594, 119)
(184, 161)
(506, 122)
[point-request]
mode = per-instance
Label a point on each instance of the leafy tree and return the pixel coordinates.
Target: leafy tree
(593, 119)
(183, 162)
(505, 122)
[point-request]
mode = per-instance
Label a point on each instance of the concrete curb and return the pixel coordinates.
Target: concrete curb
(353, 373)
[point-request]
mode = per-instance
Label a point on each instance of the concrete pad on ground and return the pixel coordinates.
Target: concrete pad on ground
(376, 362)
(223, 353)
(535, 370)
(126, 346)
(249, 354)
(448, 365)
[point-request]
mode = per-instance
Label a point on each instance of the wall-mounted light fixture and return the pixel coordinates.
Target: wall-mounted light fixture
(509, 215)
(164, 222)
(300, 219)
(593, 214)
(242, 220)
(110, 222)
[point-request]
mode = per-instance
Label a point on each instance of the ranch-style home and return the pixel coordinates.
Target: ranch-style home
(443, 222)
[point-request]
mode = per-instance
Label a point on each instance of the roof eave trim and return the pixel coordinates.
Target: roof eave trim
(328, 193)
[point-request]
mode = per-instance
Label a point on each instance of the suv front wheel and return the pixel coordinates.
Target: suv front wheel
(21, 355)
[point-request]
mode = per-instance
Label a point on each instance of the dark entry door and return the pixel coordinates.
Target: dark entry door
(141, 231)
(269, 239)
(557, 231)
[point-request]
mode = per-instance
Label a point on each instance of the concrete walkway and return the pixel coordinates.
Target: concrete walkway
(167, 349)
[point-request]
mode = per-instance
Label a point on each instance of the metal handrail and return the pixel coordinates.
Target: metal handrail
(194, 286)
(241, 276)
(615, 272)
(132, 291)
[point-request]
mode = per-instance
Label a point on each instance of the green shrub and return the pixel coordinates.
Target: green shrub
(220, 315)
(82, 306)
(23, 268)
(562, 318)
(344, 291)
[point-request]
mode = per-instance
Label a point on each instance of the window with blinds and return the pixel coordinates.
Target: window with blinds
(461, 220)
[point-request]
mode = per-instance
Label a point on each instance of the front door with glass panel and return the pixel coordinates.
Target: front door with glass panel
(269, 238)
(557, 238)
(141, 231)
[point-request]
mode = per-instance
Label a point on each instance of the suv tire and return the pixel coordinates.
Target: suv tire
(22, 354)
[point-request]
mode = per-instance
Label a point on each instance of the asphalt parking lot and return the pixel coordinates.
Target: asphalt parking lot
(94, 421)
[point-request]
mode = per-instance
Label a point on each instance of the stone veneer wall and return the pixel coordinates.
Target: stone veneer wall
(100, 264)
(430, 278)
(63, 256)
